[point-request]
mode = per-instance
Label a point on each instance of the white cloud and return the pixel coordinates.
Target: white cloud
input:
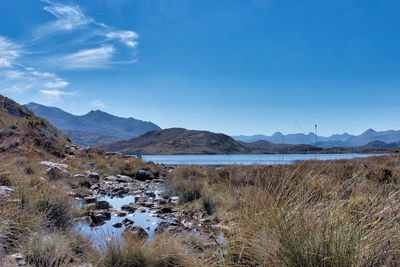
(68, 17)
(97, 103)
(127, 37)
(9, 51)
(95, 58)
(56, 84)
(55, 93)
(14, 74)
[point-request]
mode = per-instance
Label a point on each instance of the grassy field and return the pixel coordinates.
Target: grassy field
(339, 213)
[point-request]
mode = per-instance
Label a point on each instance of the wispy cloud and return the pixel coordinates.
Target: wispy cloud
(9, 51)
(129, 38)
(54, 95)
(97, 104)
(94, 58)
(117, 46)
(68, 17)
(59, 83)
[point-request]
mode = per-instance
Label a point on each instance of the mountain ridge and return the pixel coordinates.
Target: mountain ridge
(95, 126)
(335, 140)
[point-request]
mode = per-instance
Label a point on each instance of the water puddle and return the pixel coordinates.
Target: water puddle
(106, 232)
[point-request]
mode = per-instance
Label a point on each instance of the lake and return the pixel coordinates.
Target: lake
(247, 159)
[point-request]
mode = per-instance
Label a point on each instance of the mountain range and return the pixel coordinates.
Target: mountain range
(94, 127)
(337, 140)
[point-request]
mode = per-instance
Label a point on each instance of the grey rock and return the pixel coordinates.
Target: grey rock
(57, 173)
(135, 231)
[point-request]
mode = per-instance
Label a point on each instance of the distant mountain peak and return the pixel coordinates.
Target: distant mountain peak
(97, 121)
(369, 131)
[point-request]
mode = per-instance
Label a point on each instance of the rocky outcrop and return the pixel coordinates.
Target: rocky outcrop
(135, 232)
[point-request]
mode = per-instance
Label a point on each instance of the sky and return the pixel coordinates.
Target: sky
(231, 66)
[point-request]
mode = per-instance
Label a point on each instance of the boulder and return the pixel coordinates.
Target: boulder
(6, 190)
(142, 175)
(50, 164)
(111, 178)
(90, 199)
(135, 231)
(79, 176)
(57, 173)
(103, 205)
(170, 226)
(120, 214)
(93, 175)
(131, 208)
(124, 179)
(117, 225)
(150, 193)
(126, 222)
(100, 216)
(173, 200)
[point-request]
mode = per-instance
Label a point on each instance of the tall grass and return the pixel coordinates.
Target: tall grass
(341, 213)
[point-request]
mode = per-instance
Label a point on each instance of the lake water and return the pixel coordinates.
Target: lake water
(247, 159)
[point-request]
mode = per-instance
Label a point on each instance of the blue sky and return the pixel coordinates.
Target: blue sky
(231, 66)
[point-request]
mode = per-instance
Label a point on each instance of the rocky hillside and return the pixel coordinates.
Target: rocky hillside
(21, 130)
(178, 141)
(95, 127)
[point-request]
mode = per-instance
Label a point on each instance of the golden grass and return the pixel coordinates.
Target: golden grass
(340, 213)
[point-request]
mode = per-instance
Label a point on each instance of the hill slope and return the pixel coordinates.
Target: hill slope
(177, 141)
(104, 125)
(21, 130)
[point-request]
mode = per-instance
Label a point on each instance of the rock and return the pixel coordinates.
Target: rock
(171, 226)
(100, 216)
(126, 222)
(102, 205)
(147, 204)
(79, 176)
(161, 201)
(90, 199)
(57, 173)
(120, 214)
(134, 231)
(6, 190)
(53, 164)
(90, 164)
(129, 207)
(93, 175)
(124, 179)
(140, 199)
(117, 225)
(173, 200)
(150, 193)
(142, 175)
(111, 178)
(165, 210)
(141, 209)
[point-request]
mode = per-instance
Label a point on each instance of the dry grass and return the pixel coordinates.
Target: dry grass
(163, 251)
(342, 213)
